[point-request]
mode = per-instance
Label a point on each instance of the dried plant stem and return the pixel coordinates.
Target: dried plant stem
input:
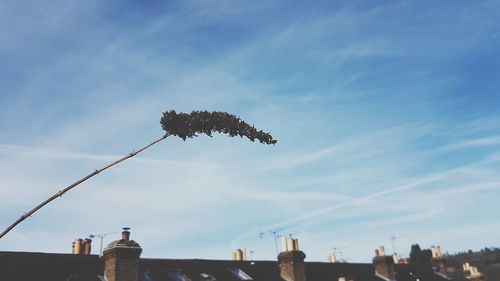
(62, 191)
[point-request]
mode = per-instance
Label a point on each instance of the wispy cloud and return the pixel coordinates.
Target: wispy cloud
(487, 141)
(372, 107)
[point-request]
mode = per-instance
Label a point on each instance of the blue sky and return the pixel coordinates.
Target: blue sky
(386, 116)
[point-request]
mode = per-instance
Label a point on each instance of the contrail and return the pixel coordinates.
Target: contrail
(365, 199)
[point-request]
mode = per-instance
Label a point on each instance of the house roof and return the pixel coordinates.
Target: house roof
(319, 271)
(409, 272)
(163, 269)
(26, 266)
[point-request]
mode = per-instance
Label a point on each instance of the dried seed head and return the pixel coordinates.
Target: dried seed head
(186, 125)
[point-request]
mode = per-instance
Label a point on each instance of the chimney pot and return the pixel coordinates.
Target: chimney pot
(239, 255)
(289, 244)
(78, 247)
(126, 234)
(87, 246)
(283, 245)
(382, 250)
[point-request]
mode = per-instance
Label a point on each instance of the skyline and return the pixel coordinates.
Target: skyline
(386, 117)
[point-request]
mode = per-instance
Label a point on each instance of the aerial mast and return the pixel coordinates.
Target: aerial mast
(101, 236)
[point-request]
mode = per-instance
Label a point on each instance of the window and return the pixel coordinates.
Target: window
(240, 274)
(144, 276)
(207, 277)
(177, 275)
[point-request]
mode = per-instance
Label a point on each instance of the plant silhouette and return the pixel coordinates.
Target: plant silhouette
(183, 125)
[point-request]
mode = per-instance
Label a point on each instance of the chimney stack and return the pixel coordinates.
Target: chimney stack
(438, 261)
(384, 265)
(81, 247)
(291, 260)
(239, 255)
(436, 251)
(121, 259)
(472, 273)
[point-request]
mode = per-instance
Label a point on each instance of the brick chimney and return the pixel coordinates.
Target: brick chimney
(291, 261)
(121, 259)
(438, 261)
(384, 265)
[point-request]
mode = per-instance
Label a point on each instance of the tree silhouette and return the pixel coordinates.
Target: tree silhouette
(419, 256)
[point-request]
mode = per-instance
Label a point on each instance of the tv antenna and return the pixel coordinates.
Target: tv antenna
(251, 254)
(393, 242)
(276, 233)
(101, 236)
(338, 250)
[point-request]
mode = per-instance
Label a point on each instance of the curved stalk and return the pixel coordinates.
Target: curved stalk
(71, 186)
